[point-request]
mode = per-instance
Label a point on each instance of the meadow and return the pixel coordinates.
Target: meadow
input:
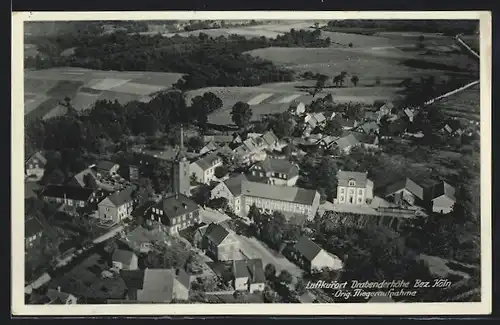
(465, 104)
(45, 89)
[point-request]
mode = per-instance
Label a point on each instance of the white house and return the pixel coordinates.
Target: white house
(313, 258)
(125, 260)
(353, 188)
(204, 168)
(442, 197)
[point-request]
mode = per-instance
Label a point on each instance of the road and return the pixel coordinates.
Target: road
(209, 215)
(252, 248)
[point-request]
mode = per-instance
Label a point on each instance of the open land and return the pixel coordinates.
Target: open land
(45, 89)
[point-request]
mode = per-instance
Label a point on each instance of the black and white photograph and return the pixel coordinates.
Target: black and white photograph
(238, 161)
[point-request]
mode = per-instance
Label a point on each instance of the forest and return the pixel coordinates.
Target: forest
(447, 27)
(205, 60)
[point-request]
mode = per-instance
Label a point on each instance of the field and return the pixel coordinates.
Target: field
(45, 89)
(462, 105)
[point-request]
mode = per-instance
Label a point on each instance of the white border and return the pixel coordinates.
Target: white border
(17, 141)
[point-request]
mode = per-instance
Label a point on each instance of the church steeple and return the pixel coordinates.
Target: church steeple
(181, 172)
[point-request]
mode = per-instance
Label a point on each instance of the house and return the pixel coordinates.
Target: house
(386, 109)
(312, 258)
(271, 140)
(86, 178)
(285, 199)
(33, 231)
(125, 260)
(156, 285)
(204, 168)
(346, 123)
(297, 108)
(105, 167)
(117, 206)
(405, 193)
(327, 142)
(353, 188)
(69, 195)
(276, 171)
(410, 113)
(367, 140)
(231, 190)
(314, 120)
(249, 275)
(220, 243)
(175, 213)
(209, 147)
(369, 128)
(441, 197)
(34, 167)
(346, 143)
(219, 139)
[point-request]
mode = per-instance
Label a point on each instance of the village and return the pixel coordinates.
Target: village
(322, 190)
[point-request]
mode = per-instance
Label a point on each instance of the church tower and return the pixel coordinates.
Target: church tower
(181, 176)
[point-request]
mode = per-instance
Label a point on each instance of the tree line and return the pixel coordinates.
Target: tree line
(206, 61)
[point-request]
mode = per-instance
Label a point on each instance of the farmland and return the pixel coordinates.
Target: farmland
(464, 105)
(45, 89)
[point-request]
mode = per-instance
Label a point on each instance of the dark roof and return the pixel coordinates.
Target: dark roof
(105, 165)
(32, 226)
(207, 161)
(343, 178)
(121, 197)
(142, 209)
(407, 184)
(71, 192)
(234, 184)
(216, 233)
(176, 205)
(123, 256)
(134, 279)
(57, 297)
(279, 193)
(41, 160)
(281, 166)
(344, 121)
(251, 268)
(80, 177)
(440, 189)
(307, 248)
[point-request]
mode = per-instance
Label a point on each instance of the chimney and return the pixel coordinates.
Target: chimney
(176, 195)
(184, 205)
(58, 289)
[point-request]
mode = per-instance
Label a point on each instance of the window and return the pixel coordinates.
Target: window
(183, 217)
(36, 165)
(360, 191)
(341, 198)
(82, 203)
(161, 212)
(352, 182)
(173, 221)
(70, 202)
(342, 190)
(30, 166)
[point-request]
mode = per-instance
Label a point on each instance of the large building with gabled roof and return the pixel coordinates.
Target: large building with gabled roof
(353, 188)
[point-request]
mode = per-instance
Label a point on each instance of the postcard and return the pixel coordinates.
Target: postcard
(256, 163)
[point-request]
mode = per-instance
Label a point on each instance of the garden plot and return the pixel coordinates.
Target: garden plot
(137, 89)
(83, 101)
(259, 98)
(109, 83)
(65, 88)
(287, 99)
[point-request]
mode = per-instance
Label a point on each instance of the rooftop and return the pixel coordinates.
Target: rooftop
(234, 184)
(281, 166)
(407, 184)
(37, 157)
(32, 226)
(157, 286)
(251, 268)
(70, 192)
(123, 256)
(347, 141)
(307, 248)
(279, 193)
(208, 161)
(121, 197)
(440, 189)
(216, 233)
(105, 165)
(176, 205)
(343, 178)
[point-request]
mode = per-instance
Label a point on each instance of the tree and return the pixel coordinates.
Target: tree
(350, 45)
(221, 171)
(253, 213)
(300, 287)
(354, 111)
(333, 128)
(285, 277)
(354, 80)
(193, 179)
(320, 83)
(241, 114)
(282, 125)
(270, 272)
(195, 143)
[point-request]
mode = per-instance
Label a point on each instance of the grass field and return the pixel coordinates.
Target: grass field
(45, 88)
(463, 105)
